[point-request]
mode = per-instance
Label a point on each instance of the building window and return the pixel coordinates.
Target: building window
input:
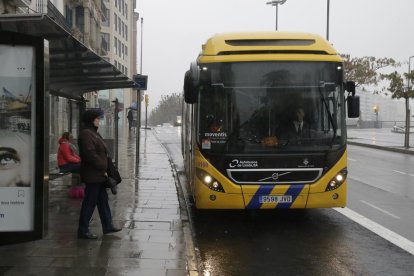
(105, 16)
(126, 10)
(119, 48)
(126, 51)
(126, 32)
(119, 25)
(79, 18)
(116, 21)
(68, 14)
(126, 71)
(105, 41)
(116, 3)
(115, 45)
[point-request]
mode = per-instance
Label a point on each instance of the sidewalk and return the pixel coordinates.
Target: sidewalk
(156, 239)
(380, 138)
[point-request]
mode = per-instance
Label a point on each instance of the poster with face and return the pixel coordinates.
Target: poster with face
(17, 85)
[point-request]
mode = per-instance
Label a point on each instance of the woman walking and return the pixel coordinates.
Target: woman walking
(93, 152)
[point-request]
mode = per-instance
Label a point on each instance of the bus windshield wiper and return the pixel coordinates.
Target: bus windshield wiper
(330, 118)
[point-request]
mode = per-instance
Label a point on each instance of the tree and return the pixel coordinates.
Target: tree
(398, 91)
(167, 109)
(365, 70)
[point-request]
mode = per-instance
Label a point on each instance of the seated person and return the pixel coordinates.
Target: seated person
(298, 128)
(68, 160)
(294, 130)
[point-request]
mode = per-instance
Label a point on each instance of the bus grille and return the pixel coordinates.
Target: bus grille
(274, 176)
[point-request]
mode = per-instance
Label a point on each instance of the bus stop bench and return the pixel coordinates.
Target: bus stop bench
(68, 178)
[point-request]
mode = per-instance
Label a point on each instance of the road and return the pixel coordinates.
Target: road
(317, 241)
(381, 187)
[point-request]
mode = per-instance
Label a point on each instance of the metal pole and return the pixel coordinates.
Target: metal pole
(142, 32)
(407, 109)
(137, 136)
(276, 14)
(146, 114)
(138, 122)
(327, 21)
(116, 132)
(276, 4)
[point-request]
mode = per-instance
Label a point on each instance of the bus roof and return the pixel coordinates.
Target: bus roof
(267, 43)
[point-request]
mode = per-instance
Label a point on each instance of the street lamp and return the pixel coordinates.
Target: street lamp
(376, 110)
(276, 3)
(407, 108)
(327, 20)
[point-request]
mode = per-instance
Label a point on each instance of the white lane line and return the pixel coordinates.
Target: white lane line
(350, 159)
(379, 209)
(381, 231)
(399, 172)
(404, 173)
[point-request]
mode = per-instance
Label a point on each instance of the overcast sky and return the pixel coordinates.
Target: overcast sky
(173, 31)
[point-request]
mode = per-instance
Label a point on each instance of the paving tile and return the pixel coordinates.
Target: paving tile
(147, 207)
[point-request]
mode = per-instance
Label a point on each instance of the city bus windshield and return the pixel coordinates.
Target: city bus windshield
(270, 107)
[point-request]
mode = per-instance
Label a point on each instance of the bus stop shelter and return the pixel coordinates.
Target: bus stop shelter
(38, 58)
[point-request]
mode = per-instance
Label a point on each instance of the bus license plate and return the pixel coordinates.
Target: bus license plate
(276, 199)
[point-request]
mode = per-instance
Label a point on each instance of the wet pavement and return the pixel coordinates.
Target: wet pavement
(380, 138)
(156, 236)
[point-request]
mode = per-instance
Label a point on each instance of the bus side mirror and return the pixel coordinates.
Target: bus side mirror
(350, 87)
(191, 84)
(353, 106)
(352, 100)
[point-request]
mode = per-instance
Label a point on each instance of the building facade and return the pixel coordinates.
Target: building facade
(107, 27)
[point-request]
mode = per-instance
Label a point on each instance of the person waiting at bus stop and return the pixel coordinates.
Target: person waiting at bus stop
(94, 152)
(68, 160)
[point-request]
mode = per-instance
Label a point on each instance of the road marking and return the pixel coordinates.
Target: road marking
(379, 209)
(383, 232)
(350, 159)
(404, 173)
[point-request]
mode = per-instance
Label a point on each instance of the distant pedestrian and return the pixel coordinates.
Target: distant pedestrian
(94, 152)
(130, 117)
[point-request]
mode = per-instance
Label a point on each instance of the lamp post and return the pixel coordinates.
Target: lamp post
(327, 19)
(138, 122)
(276, 3)
(407, 108)
(376, 109)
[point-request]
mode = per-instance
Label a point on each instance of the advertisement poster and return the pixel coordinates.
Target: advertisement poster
(16, 138)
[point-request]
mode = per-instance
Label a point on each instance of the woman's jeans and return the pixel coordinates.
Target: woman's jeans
(95, 195)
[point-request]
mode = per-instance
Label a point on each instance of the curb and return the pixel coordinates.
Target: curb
(186, 219)
(392, 149)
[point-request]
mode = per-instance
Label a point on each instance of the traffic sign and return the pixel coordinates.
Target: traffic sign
(140, 81)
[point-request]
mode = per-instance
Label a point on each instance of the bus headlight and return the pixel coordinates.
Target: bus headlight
(337, 180)
(209, 181)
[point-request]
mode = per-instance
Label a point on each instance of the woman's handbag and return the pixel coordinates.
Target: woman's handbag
(112, 171)
(114, 178)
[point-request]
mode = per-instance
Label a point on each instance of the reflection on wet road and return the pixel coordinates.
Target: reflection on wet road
(289, 242)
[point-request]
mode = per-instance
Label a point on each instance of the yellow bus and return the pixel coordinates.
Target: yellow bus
(264, 122)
